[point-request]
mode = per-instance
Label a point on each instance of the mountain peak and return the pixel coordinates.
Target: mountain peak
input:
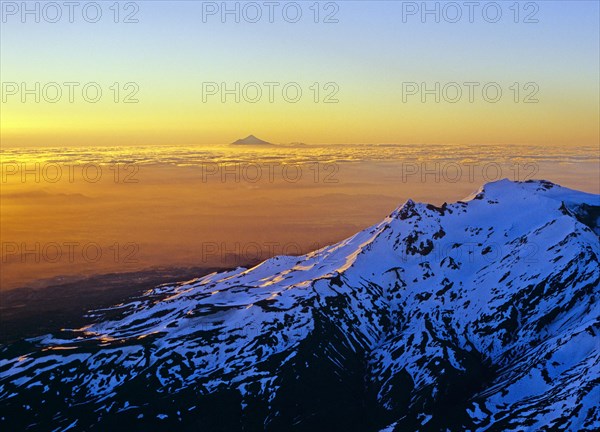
(508, 190)
(251, 140)
(405, 211)
(417, 306)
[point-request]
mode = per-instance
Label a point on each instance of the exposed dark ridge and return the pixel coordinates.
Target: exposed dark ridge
(589, 215)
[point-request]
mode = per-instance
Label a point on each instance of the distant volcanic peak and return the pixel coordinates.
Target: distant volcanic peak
(251, 140)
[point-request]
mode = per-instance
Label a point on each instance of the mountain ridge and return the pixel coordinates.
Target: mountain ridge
(472, 315)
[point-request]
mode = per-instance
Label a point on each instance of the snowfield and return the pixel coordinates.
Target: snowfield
(479, 315)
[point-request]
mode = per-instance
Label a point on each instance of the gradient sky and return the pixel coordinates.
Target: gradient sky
(369, 54)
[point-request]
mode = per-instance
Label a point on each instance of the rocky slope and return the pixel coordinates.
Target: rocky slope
(479, 315)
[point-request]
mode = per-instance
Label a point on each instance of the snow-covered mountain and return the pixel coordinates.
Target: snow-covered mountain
(478, 315)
